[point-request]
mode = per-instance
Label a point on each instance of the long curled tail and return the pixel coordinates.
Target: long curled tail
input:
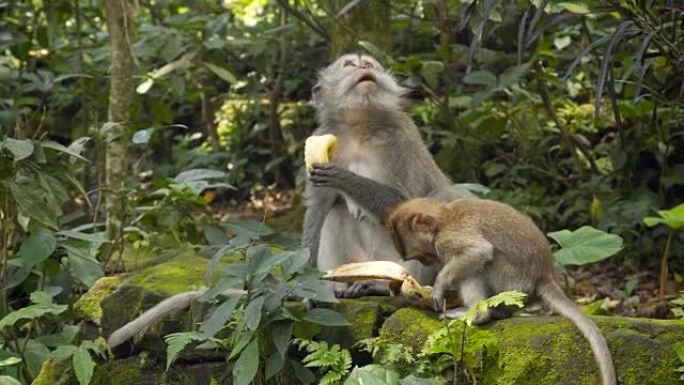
(550, 292)
(151, 316)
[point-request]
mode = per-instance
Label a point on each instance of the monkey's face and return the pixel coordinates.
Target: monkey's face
(356, 81)
(411, 241)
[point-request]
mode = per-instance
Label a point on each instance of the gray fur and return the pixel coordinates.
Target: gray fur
(380, 161)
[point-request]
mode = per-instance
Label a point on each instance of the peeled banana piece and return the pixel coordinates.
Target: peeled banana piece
(401, 283)
(319, 149)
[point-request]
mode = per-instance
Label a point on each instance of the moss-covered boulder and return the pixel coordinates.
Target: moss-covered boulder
(550, 350)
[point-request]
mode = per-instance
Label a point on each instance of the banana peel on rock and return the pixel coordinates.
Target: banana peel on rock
(401, 282)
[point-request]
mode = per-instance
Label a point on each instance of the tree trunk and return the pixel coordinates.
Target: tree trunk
(275, 135)
(121, 34)
(367, 20)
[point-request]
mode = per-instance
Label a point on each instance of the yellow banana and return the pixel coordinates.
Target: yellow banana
(319, 149)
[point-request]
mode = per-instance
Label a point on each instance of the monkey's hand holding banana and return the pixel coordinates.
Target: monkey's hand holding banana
(318, 152)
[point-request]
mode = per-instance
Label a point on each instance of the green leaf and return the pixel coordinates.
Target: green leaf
(413, 380)
(295, 263)
(575, 7)
(63, 352)
(35, 353)
(281, 333)
(67, 150)
(269, 262)
(585, 245)
(7, 380)
(221, 72)
(253, 313)
(9, 361)
(144, 86)
(30, 312)
(484, 78)
(672, 218)
(83, 266)
(679, 348)
(273, 365)
(37, 248)
(175, 343)
(198, 174)
(21, 149)
(303, 374)
(512, 75)
(219, 317)
(372, 375)
(508, 298)
(83, 365)
(430, 71)
(247, 364)
(561, 42)
(325, 317)
(142, 136)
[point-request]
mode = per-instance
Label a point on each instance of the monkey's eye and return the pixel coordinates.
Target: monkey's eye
(348, 63)
(367, 64)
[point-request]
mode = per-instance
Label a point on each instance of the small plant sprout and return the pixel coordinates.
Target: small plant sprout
(674, 220)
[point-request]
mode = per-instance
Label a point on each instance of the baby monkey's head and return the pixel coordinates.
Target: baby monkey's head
(356, 81)
(413, 226)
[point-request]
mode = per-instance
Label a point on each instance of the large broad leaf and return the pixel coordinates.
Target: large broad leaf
(31, 312)
(220, 316)
(7, 380)
(672, 218)
(21, 149)
(253, 313)
(247, 364)
(67, 150)
(37, 248)
(83, 266)
(484, 78)
(585, 245)
(198, 174)
(83, 365)
(325, 317)
(273, 365)
(372, 375)
(221, 72)
(281, 333)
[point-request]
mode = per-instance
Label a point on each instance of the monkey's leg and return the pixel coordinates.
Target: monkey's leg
(318, 202)
(473, 290)
(374, 197)
(465, 256)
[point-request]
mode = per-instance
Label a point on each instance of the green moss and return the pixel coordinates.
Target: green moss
(127, 372)
(550, 350)
(52, 373)
(183, 273)
(88, 306)
(410, 327)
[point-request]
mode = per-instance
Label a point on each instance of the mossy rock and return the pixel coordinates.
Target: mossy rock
(145, 288)
(88, 306)
(550, 350)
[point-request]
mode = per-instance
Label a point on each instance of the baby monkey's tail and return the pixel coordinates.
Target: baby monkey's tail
(552, 293)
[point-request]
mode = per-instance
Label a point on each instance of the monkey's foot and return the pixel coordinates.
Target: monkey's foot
(454, 313)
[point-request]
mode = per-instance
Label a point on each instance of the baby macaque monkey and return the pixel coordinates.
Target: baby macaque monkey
(485, 248)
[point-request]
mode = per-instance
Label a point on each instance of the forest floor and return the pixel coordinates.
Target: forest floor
(609, 287)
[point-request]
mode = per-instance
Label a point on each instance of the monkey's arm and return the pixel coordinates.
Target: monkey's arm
(374, 197)
(318, 204)
(462, 254)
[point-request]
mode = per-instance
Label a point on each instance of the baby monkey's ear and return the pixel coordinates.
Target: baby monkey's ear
(423, 223)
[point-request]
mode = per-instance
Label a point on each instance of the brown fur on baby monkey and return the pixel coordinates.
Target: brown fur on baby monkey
(485, 248)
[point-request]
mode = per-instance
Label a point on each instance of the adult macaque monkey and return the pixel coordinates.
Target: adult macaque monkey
(380, 162)
(486, 248)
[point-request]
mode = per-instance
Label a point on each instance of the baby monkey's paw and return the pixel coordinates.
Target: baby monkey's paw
(438, 298)
(327, 175)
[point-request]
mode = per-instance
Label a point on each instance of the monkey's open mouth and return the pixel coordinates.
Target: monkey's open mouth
(366, 78)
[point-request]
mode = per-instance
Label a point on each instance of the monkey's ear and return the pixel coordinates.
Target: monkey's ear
(423, 223)
(316, 94)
